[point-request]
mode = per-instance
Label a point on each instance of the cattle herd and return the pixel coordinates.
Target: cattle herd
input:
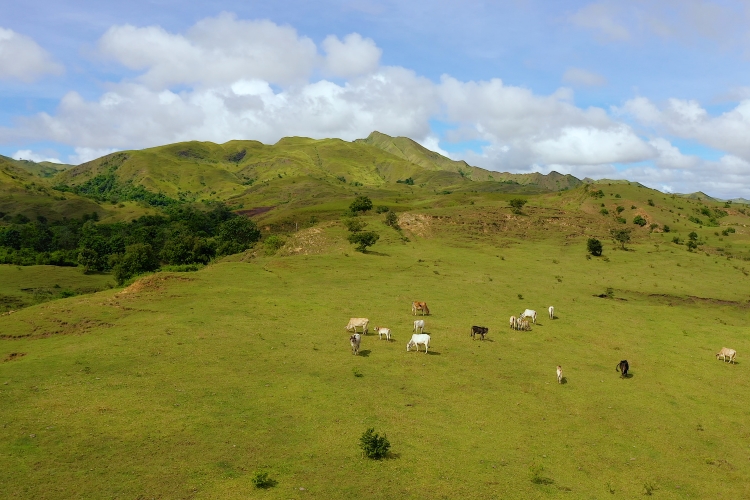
(519, 322)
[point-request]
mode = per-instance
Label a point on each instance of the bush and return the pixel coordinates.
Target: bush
(622, 236)
(594, 247)
(237, 234)
(361, 204)
(374, 446)
(676, 240)
(273, 243)
(666, 228)
(354, 225)
(604, 211)
(363, 239)
(408, 181)
(727, 231)
(138, 258)
(620, 209)
(391, 219)
(261, 480)
(516, 204)
(651, 203)
(639, 220)
(381, 209)
(621, 220)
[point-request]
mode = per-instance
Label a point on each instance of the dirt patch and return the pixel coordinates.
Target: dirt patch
(692, 299)
(306, 242)
(152, 283)
(252, 212)
(418, 224)
(13, 356)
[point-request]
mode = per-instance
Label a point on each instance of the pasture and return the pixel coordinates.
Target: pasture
(184, 385)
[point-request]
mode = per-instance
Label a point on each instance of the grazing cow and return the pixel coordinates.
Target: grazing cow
(559, 374)
(419, 306)
(523, 324)
(418, 326)
(479, 330)
(416, 339)
(383, 331)
(726, 353)
(513, 322)
(551, 312)
(355, 323)
(529, 313)
(623, 367)
(355, 340)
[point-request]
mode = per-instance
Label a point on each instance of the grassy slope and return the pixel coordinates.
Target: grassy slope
(183, 385)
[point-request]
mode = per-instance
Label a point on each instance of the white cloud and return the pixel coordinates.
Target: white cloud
(432, 143)
(218, 50)
(87, 154)
(353, 56)
(21, 58)
(27, 154)
(687, 119)
(578, 76)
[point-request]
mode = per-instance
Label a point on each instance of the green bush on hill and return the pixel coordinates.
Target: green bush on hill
(363, 239)
(106, 187)
(640, 221)
(361, 204)
(373, 445)
(594, 247)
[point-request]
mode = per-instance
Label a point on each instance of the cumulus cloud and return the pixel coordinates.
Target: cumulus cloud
(21, 58)
(218, 50)
(581, 77)
(82, 155)
(689, 120)
(353, 56)
(27, 154)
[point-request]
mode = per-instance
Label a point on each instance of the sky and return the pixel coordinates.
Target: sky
(651, 91)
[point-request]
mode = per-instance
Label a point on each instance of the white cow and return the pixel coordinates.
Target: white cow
(551, 312)
(528, 313)
(559, 374)
(726, 354)
(418, 326)
(513, 322)
(355, 340)
(416, 339)
(355, 323)
(383, 331)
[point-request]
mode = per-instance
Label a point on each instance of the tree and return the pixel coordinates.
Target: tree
(354, 225)
(594, 247)
(237, 234)
(391, 219)
(516, 204)
(361, 204)
(363, 239)
(620, 235)
(639, 220)
(138, 258)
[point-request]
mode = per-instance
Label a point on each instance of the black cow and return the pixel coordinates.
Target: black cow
(623, 367)
(479, 330)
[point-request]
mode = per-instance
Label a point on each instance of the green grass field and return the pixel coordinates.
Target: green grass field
(183, 385)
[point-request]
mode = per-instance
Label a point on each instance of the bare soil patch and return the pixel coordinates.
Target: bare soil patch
(13, 356)
(152, 283)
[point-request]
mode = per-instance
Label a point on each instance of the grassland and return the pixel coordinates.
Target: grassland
(183, 385)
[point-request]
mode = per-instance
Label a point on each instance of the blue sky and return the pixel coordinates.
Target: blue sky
(656, 92)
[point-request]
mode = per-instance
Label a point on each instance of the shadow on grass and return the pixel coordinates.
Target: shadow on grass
(365, 353)
(629, 375)
(564, 380)
(433, 353)
(379, 254)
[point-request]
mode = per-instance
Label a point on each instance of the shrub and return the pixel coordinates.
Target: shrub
(381, 209)
(516, 204)
(621, 220)
(391, 219)
(639, 220)
(261, 480)
(618, 195)
(374, 446)
(620, 209)
(604, 211)
(665, 228)
(651, 203)
(361, 204)
(273, 243)
(408, 181)
(354, 225)
(632, 207)
(363, 239)
(727, 231)
(138, 258)
(594, 247)
(622, 236)
(677, 240)
(693, 236)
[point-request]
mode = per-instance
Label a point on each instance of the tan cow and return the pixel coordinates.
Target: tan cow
(726, 354)
(419, 306)
(355, 323)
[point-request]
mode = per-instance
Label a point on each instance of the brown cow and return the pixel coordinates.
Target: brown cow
(419, 306)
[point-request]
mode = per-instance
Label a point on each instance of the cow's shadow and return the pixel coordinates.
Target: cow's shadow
(433, 353)
(365, 353)
(627, 375)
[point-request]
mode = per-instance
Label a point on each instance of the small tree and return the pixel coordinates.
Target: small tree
(622, 236)
(665, 228)
(594, 247)
(354, 225)
(620, 209)
(363, 239)
(138, 258)
(639, 220)
(273, 243)
(516, 204)
(361, 204)
(374, 446)
(391, 219)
